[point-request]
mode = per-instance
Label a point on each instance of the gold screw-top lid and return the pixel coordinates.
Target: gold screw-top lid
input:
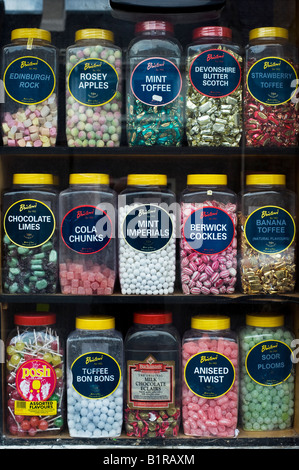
(147, 179)
(104, 322)
(89, 178)
(210, 322)
(265, 179)
(33, 178)
(206, 179)
(35, 33)
(264, 320)
(94, 33)
(268, 32)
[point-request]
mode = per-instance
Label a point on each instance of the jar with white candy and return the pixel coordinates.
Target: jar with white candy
(29, 110)
(147, 236)
(208, 245)
(93, 90)
(94, 378)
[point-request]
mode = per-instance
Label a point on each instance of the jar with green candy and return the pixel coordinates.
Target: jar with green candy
(154, 102)
(267, 373)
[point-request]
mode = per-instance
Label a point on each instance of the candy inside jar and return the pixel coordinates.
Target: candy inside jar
(93, 91)
(267, 235)
(154, 99)
(208, 245)
(213, 88)
(34, 377)
(270, 110)
(29, 111)
(210, 370)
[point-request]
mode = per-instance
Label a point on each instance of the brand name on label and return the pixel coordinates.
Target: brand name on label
(92, 66)
(150, 65)
(271, 64)
(32, 372)
(268, 214)
(24, 63)
(212, 56)
(23, 207)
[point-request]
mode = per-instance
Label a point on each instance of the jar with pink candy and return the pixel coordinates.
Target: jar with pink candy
(208, 245)
(87, 245)
(210, 385)
(29, 111)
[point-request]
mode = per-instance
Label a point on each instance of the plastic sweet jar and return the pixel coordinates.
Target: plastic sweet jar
(29, 110)
(268, 235)
(214, 86)
(30, 239)
(93, 90)
(94, 378)
(147, 236)
(208, 244)
(155, 113)
(87, 244)
(266, 373)
(210, 377)
(153, 377)
(34, 376)
(270, 106)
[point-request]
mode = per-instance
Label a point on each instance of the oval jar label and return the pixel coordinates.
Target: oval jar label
(209, 374)
(270, 229)
(93, 82)
(209, 230)
(215, 73)
(36, 380)
(147, 228)
(86, 229)
(269, 362)
(29, 80)
(269, 81)
(156, 81)
(29, 223)
(95, 375)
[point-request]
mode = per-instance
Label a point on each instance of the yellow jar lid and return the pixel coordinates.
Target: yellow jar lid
(144, 179)
(207, 179)
(265, 179)
(264, 320)
(95, 322)
(35, 33)
(210, 322)
(94, 33)
(33, 178)
(268, 32)
(89, 178)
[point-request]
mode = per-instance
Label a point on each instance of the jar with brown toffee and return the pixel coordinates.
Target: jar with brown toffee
(267, 232)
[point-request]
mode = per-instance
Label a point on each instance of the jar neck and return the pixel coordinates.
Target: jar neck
(154, 32)
(35, 41)
(268, 40)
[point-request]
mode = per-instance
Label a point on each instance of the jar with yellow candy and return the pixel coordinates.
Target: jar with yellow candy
(268, 235)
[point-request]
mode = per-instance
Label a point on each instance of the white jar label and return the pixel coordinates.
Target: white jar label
(150, 383)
